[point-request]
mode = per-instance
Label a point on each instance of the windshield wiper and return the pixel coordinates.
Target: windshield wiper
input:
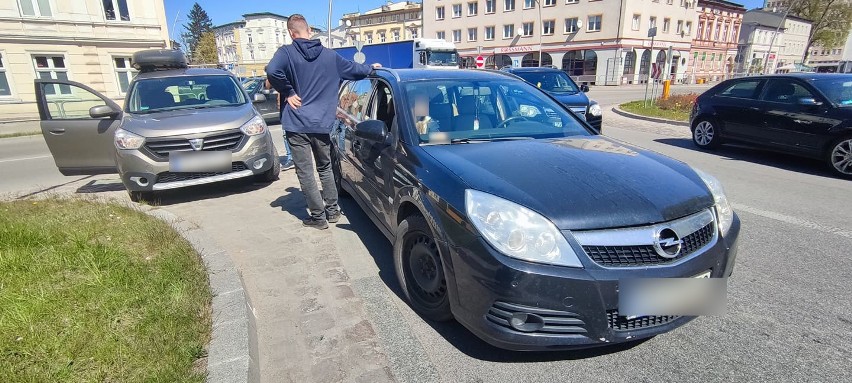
(475, 140)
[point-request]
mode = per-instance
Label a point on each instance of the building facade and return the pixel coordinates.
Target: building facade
(714, 47)
(821, 59)
(603, 42)
(88, 41)
(770, 41)
(390, 22)
(247, 45)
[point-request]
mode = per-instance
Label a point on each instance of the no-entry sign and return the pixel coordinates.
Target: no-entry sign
(480, 62)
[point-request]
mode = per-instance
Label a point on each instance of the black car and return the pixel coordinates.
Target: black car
(268, 105)
(804, 114)
(513, 217)
(564, 89)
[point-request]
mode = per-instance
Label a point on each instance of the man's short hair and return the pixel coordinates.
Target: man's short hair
(297, 22)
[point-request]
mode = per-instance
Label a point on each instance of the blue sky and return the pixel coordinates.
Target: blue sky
(316, 11)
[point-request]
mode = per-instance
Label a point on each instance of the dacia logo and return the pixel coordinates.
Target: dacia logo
(197, 144)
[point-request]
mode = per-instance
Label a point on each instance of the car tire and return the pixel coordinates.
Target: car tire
(839, 157)
(706, 134)
(270, 175)
(419, 269)
(141, 196)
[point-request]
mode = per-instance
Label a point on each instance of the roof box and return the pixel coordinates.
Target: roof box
(159, 59)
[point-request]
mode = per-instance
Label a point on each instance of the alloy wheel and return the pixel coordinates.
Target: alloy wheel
(704, 133)
(841, 157)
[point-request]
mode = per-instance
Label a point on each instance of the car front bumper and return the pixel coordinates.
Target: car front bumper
(579, 307)
(140, 171)
(595, 121)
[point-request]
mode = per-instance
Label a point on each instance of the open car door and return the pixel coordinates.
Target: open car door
(78, 125)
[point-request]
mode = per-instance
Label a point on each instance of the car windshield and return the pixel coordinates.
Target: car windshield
(184, 92)
(456, 111)
(252, 84)
(556, 81)
(443, 58)
(837, 89)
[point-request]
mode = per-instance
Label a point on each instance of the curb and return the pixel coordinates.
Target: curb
(232, 355)
(627, 114)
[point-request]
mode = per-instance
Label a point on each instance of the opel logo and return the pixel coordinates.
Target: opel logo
(667, 243)
(197, 143)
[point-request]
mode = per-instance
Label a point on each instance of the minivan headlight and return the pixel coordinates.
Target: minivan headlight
(254, 126)
(723, 207)
(128, 141)
(518, 232)
(595, 109)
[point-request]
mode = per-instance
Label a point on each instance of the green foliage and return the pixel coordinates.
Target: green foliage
(831, 20)
(199, 24)
(206, 52)
(93, 292)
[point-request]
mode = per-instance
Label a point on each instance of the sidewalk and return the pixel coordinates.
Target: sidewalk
(19, 127)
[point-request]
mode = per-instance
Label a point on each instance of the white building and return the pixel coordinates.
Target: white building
(88, 41)
(769, 41)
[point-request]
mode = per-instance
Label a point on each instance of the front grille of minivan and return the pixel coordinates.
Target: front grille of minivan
(620, 323)
(161, 147)
(645, 255)
(548, 321)
(166, 177)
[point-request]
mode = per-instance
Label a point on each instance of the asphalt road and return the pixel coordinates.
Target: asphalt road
(789, 303)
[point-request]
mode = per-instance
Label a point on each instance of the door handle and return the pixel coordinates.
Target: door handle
(57, 131)
(754, 108)
(803, 122)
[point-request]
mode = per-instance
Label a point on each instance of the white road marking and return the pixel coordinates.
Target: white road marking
(24, 158)
(793, 220)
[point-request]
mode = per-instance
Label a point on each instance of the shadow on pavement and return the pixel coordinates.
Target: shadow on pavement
(51, 188)
(205, 192)
(757, 155)
(101, 186)
(293, 202)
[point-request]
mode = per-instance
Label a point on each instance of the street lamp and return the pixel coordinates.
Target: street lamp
(520, 31)
(772, 40)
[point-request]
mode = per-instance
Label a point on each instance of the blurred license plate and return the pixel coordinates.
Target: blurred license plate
(696, 295)
(213, 161)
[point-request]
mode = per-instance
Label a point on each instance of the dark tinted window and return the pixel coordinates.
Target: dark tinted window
(837, 89)
(785, 91)
(556, 81)
(355, 98)
(741, 89)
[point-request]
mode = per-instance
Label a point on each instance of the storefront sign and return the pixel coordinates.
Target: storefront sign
(518, 49)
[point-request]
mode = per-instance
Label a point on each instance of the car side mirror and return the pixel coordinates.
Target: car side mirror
(808, 101)
(103, 111)
(258, 98)
(372, 130)
(584, 88)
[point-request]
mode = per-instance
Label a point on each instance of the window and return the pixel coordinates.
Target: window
(5, 89)
(457, 35)
(594, 23)
(700, 30)
(572, 1)
(571, 25)
(414, 33)
(741, 89)
(35, 8)
(508, 5)
(666, 25)
(355, 98)
(489, 6)
(472, 8)
(724, 33)
(395, 34)
(440, 35)
(381, 37)
(709, 34)
(529, 4)
(785, 92)
(529, 28)
(52, 67)
(653, 22)
(456, 10)
(489, 33)
(689, 28)
(439, 13)
(637, 19)
(471, 34)
(548, 3)
(679, 28)
(508, 31)
(548, 26)
(124, 72)
(369, 38)
(111, 5)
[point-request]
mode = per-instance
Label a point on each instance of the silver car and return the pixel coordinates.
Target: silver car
(179, 127)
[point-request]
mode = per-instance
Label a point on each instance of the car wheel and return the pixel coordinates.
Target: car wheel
(706, 134)
(141, 196)
(270, 175)
(840, 157)
(420, 270)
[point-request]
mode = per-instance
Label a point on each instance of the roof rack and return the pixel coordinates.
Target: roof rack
(159, 59)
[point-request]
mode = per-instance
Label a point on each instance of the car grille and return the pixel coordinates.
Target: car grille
(620, 323)
(644, 255)
(223, 141)
(581, 110)
(175, 177)
(551, 321)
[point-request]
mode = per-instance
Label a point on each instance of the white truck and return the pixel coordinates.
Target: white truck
(417, 53)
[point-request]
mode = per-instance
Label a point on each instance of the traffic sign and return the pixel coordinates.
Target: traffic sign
(359, 57)
(480, 62)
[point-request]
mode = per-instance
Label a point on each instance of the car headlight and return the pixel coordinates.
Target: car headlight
(518, 232)
(127, 140)
(254, 126)
(595, 109)
(723, 207)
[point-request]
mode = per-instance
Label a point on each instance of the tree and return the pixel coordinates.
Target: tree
(205, 51)
(199, 24)
(831, 21)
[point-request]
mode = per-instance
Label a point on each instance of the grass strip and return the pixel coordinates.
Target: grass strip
(637, 107)
(98, 292)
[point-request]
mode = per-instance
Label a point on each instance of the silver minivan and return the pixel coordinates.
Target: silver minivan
(179, 127)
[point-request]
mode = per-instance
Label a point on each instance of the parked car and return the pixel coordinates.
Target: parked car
(804, 114)
(179, 127)
(510, 215)
(559, 85)
(269, 108)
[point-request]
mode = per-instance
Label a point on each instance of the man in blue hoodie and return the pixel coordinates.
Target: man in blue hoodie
(309, 76)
